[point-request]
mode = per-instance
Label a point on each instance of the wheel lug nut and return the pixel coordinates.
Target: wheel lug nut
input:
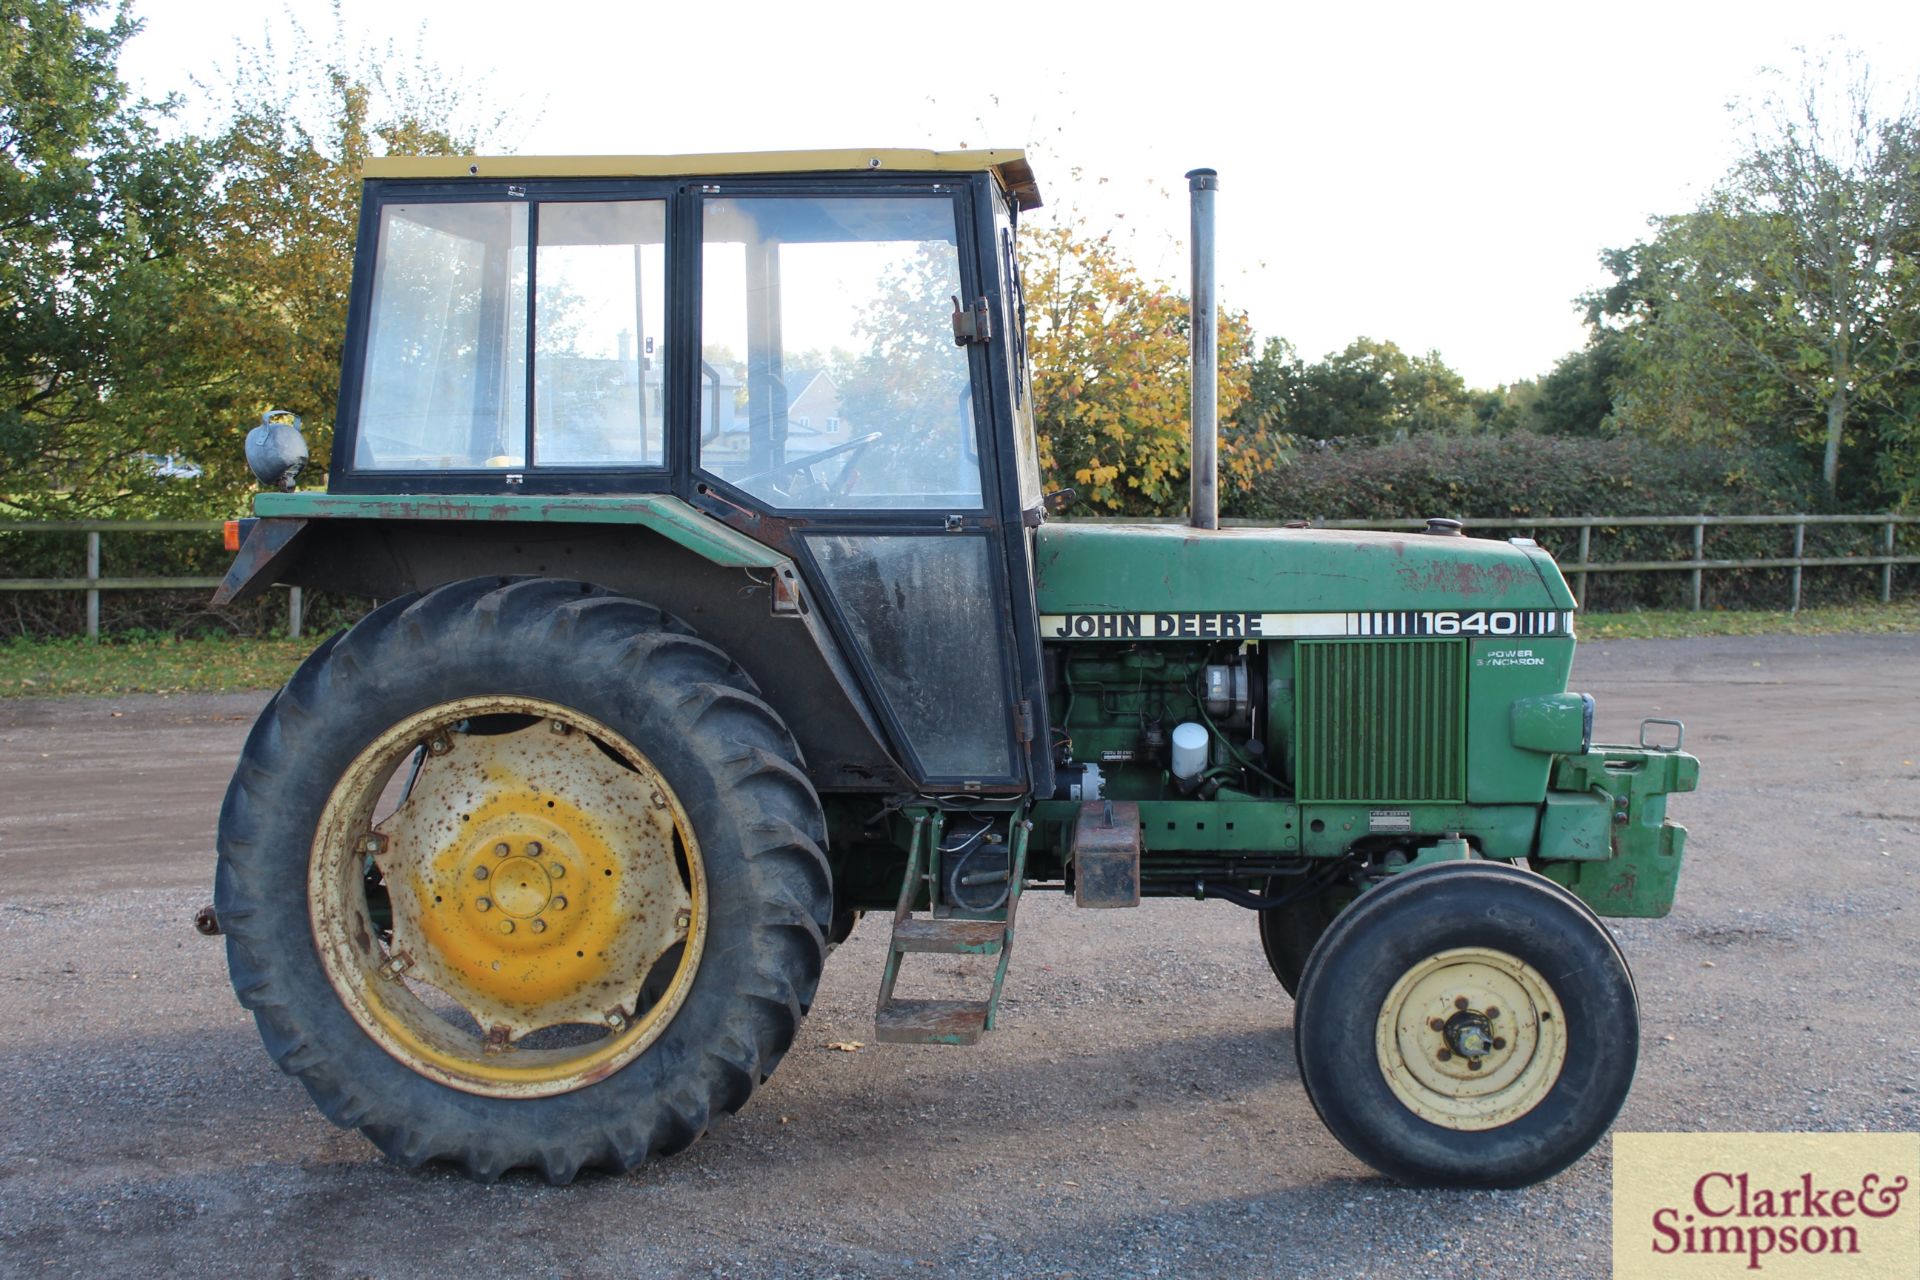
(538, 926)
(480, 873)
(483, 904)
(502, 849)
(559, 903)
(1460, 1002)
(1499, 1042)
(533, 848)
(556, 869)
(1434, 1024)
(1473, 1064)
(1493, 1011)
(1445, 1055)
(506, 926)
(439, 744)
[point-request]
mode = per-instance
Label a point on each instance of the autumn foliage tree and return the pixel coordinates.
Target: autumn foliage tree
(1111, 379)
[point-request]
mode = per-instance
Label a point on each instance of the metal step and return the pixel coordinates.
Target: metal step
(953, 937)
(910, 1021)
(931, 1021)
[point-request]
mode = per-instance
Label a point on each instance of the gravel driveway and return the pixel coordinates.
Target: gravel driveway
(1139, 1114)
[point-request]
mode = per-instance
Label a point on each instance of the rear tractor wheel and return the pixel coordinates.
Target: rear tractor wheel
(519, 873)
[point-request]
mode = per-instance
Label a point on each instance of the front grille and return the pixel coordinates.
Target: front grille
(1381, 721)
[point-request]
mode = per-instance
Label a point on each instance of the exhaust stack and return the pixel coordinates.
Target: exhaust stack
(1204, 506)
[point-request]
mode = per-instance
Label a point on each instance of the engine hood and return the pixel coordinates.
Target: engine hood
(1101, 567)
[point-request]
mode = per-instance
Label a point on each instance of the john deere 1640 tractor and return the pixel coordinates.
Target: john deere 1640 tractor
(722, 605)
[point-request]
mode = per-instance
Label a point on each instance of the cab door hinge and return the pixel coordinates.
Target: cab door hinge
(1023, 720)
(975, 325)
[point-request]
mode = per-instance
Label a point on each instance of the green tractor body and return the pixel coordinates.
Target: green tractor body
(725, 606)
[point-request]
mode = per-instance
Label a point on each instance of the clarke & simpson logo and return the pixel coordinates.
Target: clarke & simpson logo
(1778, 1204)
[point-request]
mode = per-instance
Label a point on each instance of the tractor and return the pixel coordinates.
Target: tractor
(722, 604)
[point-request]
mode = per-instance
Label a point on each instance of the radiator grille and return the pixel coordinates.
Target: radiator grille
(1382, 721)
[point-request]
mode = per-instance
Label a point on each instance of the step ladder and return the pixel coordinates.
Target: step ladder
(943, 932)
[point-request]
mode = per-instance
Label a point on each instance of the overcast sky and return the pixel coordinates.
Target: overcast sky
(1439, 175)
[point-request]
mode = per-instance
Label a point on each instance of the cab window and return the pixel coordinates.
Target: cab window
(829, 377)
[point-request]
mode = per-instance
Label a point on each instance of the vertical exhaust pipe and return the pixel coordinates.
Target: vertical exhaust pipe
(1204, 506)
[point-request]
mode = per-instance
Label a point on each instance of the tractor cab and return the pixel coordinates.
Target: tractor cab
(822, 351)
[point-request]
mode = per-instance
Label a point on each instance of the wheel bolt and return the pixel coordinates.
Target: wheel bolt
(1499, 1042)
(559, 726)
(559, 903)
(1445, 1055)
(439, 744)
(1493, 1011)
(483, 904)
(556, 869)
(682, 920)
(1473, 1064)
(480, 873)
(502, 849)
(538, 926)
(506, 926)
(533, 848)
(1435, 1024)
(1460, 1003)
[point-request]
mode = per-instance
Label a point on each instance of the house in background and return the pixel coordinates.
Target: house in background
(814, 414)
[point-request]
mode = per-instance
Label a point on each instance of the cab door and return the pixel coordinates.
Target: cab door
(840, 418)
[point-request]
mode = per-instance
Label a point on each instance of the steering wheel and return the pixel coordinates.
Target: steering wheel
(853, 448)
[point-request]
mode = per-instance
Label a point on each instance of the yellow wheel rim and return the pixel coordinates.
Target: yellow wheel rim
(1471, 1038)
(545, 900)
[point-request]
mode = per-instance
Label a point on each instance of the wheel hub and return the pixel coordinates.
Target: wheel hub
(537, 877)
(1471, 1038)
(1469, 1034)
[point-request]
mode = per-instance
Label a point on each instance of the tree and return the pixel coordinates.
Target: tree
(1785, 306)
(1111, 378)
(265, 324)
(1374, 390)
(1576, 397)
(95, 213)
(158, 294)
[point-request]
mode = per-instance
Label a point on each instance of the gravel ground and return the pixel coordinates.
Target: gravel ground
(1139, 1114)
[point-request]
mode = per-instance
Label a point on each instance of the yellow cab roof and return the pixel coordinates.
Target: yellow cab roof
(1009, 166)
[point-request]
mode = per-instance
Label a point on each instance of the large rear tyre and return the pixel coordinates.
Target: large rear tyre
(519, 873)
(1469, 1024)
(1288, 934)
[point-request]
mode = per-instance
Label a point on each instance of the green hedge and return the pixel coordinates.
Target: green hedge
(1509, 478)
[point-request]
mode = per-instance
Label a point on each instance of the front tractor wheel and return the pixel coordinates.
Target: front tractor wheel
(1469, 1024)
(519, 873)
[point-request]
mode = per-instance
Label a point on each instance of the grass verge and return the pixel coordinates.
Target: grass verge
(146, 664)
(225, 664)
(1853, 619)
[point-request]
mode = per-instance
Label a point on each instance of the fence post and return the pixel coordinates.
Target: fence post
(293, 613)
(1799, 553)
(1699, 554)
(1586, 544)
(1886, 570)
(93, 575)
